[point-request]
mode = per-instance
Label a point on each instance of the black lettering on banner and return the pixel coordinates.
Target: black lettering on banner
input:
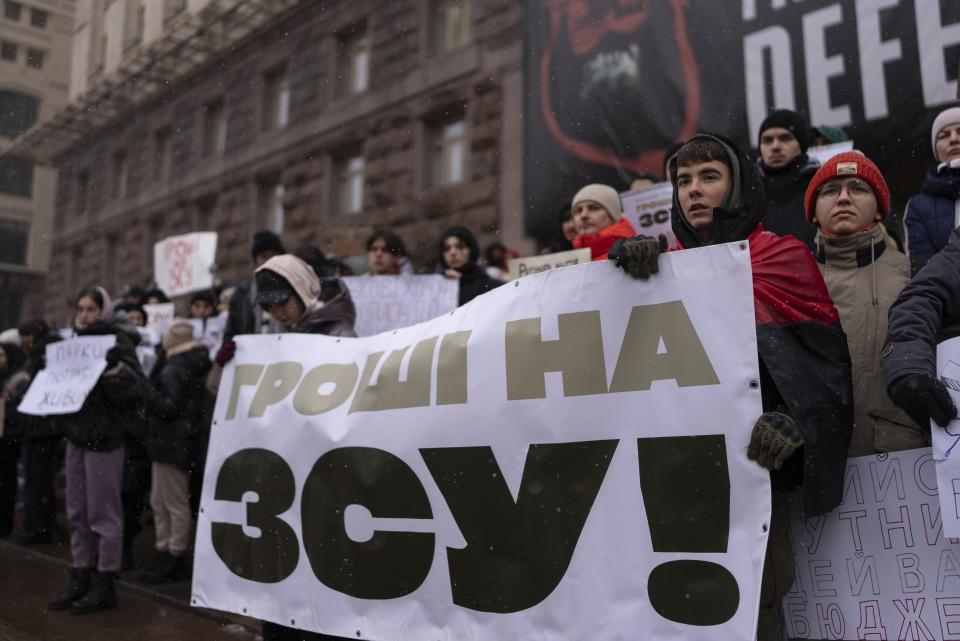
(271, 557)
(390, 564)
(686, 494)
(517, 551)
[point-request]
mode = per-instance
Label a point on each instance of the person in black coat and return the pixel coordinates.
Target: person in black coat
(13, 385)
(459, 256)
(926, 312)
(178, 407)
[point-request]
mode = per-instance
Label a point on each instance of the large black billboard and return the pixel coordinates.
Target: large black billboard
(612, 83)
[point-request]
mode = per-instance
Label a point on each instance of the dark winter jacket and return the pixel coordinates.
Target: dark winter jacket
(926, 312)
(179, 407)
(931, 216)
(473, 278)
(785, 188)
(13, 386)
(115, 406)
(336, 317)
(804, 360)
(42, 427)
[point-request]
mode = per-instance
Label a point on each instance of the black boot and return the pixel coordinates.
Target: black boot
(79, 585)
(168, 568)
(101, 596)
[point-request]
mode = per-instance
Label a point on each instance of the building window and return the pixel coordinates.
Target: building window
(354, 60)
(163, 154)
(10, 304)
(276, 98)
(120, 174)
(8, 51)
(11, 10)
(16, 177)
(18, 112)
(38, 18)
(272, 213)
(35, 58)
(214, 129)
(349, 177)
(83, 192)
(448, 143)
(451, 24)
(13, 242)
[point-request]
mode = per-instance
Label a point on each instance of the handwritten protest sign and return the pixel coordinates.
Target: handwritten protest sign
(184, 264)
(879, 566)
(946, 441)
(210, 331)
(826, 152)
(649, 210)
(520, 267)
(451, 480)
(159, 317)
(73, 367)
(385, 303)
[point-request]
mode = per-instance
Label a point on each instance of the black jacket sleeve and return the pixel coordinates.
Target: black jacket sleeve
(930, 301)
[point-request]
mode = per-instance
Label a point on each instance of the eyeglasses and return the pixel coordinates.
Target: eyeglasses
(855, 189)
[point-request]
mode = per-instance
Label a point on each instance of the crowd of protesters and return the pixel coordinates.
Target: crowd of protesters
(849, 308)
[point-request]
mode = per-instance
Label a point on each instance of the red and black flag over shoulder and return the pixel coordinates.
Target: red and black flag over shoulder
(804, 350)
(610, 84)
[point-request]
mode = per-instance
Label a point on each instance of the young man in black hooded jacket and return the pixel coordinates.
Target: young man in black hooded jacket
(804, 431)
(459, 253)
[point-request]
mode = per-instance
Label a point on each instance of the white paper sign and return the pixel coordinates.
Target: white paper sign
(385, 303)
(825, 152)
(946, 441)
(561, 458)
(879, 565)
(649, 210)
(210, 333)
(73, 367)
(520, 267)
(184, 264)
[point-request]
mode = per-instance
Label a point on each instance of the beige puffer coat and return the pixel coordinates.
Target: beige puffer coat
(865, 273)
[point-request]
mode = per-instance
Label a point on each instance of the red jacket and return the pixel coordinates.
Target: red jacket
(600, 244)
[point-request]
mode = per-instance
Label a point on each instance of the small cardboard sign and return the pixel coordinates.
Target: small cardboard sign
(520, 267)
(184, 264)
(648, 210)
(73, 368)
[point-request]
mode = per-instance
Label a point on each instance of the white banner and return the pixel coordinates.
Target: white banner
(73, 367)
(877, 567)
(520, 267)
(385, 303)
(946, 441)
(649, 210)
(825, 152)
(184, 264)
(562, 458)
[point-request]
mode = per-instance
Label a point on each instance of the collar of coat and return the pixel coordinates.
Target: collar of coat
(860, 249)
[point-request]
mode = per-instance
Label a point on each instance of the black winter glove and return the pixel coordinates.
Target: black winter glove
(639, 255)
(114, 354)
(774, 439)
(923, 398)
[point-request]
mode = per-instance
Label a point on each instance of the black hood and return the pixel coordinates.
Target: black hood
(466, 236)
(743, 207)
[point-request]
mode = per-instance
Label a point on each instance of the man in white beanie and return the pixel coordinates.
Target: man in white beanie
(599, 220)
(935, 212)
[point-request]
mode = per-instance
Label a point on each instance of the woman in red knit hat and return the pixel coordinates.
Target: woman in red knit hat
(847, 199)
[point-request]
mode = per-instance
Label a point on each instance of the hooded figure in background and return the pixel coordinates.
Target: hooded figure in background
(804, 431)
(288, 288)
(459, 256)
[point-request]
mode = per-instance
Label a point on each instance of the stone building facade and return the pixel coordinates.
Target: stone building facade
(332, 120)
(35, 40)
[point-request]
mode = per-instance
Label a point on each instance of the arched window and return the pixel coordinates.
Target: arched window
(18, 112)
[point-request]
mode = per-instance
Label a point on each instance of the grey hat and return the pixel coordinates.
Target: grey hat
(272, 287)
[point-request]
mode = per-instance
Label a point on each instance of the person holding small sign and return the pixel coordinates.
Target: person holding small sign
(95, 460)
(599, 220)
(804, 379)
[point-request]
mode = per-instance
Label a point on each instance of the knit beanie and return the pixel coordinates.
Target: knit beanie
(266, 240)
(845, 165)
(833, 135)
(204, 295)
(792, 122)
(944, 119)
(604, 194)
(178, 334)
